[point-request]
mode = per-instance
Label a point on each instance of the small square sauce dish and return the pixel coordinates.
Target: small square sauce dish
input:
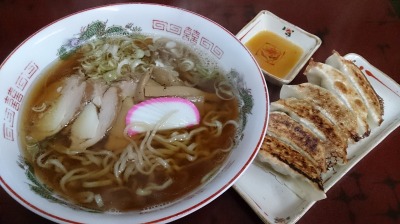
(280, 48)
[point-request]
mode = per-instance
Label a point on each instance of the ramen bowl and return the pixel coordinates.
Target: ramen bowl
(27, 63)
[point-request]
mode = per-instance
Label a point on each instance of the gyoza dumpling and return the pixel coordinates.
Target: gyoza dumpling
(371, 99)
(335, 143)
(327, 103)
(299, 137)
(298, 172)
(335, 81)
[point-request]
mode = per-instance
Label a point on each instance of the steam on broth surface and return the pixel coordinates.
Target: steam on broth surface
(74, 133)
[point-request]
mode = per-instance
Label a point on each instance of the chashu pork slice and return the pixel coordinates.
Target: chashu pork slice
(371, 99)
(92, 123)
(293, 133)
(302, 176)
(327, 103)
(335, 81)
(335, 142)
(95, 88)
(61, 111)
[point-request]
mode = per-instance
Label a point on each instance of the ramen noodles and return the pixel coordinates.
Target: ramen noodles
(74, 130)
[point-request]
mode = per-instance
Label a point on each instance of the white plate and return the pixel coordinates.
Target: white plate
(274, 202)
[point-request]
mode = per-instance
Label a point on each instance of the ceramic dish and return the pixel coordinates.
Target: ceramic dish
(26, 63)
(266, 21)
(274, 202)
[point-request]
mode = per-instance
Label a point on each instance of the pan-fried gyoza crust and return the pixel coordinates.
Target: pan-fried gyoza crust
(335, 143)
(310, 126)
(327, 103)
(337, 83)
(371, 99)
(295, 160)
(298, 136)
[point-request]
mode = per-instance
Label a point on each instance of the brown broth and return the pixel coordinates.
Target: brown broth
(118, 197)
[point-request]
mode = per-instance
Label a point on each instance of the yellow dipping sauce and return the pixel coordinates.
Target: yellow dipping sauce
(273, 53)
